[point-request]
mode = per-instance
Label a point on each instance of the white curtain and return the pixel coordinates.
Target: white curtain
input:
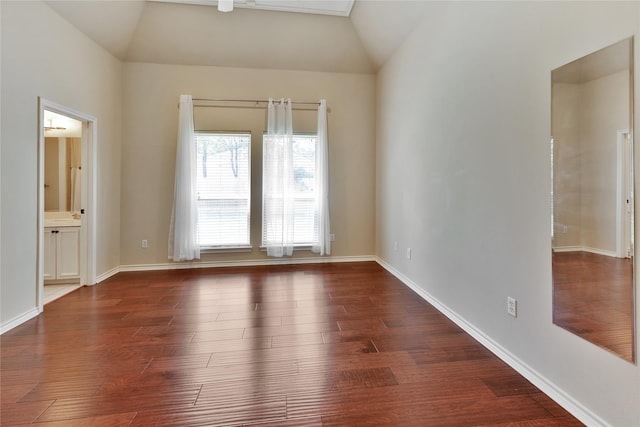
(183, 234)
(322, 184)
(74, 160)
(278, 184)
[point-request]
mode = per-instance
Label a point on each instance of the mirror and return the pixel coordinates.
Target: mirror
(62, 163)
(592, 198)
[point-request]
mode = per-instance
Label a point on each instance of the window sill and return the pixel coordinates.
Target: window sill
(295, 248)
(225, 249)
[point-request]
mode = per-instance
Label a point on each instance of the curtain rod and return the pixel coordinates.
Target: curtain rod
(254, 101)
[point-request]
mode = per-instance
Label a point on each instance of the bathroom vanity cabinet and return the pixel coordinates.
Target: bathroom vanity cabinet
(62, 254)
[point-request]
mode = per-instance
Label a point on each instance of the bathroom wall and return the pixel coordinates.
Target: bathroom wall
(52, 172)
(57, 171)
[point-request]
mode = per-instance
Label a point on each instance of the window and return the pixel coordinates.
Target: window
(305, 217)
(224, 189)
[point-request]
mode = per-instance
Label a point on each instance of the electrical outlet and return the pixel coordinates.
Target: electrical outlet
(395, 245)
(408, 253)
(512, 306)
(332, 237)
(144, 243)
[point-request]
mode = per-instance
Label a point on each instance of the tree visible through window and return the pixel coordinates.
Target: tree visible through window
(224, 189)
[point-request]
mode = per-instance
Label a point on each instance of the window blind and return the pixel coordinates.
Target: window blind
(305, 219)
(224, 189)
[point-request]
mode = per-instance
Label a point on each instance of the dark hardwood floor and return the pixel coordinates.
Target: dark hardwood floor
(593, 298)
(308, 345)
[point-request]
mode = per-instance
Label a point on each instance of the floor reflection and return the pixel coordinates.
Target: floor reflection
(593, 298)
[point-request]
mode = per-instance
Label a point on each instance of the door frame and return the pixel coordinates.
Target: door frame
(88, 195)
(624, 194)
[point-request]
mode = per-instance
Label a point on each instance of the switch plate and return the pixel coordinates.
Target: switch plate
(144, 243)
(512, 306)
(408, 253)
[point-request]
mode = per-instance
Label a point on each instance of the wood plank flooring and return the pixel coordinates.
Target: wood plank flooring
(309, 345)
(593, 298)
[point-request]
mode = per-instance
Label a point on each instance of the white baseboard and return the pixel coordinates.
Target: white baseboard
(18, 320)
(104, 276)
(546, 386)
(585, 249)
(244, 263)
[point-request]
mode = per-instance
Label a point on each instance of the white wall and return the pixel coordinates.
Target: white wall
(567, 165)
(605, 111)
(44, 56)
(462, 166)
(463, 179)
(151, 93)
(585, 159)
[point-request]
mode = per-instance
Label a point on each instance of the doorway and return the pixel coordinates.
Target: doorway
(624, 195)
(66, 200)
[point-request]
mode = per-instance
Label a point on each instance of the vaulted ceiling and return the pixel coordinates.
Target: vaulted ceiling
(192, 33)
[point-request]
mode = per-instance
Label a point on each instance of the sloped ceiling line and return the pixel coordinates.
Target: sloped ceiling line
(194, 34)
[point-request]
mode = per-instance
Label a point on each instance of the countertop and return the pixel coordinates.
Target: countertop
(61, 219)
